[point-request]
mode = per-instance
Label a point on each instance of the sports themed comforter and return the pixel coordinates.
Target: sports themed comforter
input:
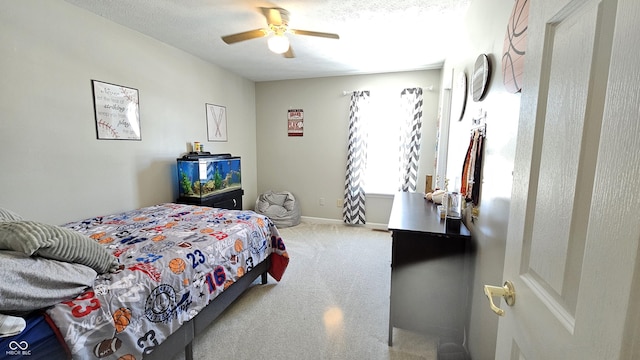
(173, 260)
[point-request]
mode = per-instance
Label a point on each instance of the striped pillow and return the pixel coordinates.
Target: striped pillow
(55, 242)
(8, 215)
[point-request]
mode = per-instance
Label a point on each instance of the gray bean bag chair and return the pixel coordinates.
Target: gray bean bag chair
(281, 207)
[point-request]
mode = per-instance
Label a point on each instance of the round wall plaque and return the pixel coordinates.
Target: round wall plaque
(459, 96)
(515, 44)
(480, 78)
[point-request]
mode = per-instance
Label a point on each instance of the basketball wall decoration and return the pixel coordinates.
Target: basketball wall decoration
(515, 45)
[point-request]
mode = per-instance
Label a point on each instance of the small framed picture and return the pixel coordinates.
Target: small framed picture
(216, 122)
(117, 111)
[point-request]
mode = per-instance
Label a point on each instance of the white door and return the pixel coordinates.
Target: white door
(574, 223)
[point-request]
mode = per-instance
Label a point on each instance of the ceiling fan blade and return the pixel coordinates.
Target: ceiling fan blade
(289, 53)
(247, 35)
(274, 15)
(314, 33)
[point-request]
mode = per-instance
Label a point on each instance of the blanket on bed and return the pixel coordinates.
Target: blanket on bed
(31, 283)
(173, 260)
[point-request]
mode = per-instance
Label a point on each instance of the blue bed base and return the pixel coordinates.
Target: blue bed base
(39, 340)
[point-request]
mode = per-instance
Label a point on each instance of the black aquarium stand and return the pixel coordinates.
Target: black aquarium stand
(231, 200)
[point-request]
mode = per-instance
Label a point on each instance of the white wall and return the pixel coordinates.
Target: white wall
(483, 33)
(53, 167)
(313, 166)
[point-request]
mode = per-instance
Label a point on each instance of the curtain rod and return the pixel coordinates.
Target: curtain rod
(349, 92)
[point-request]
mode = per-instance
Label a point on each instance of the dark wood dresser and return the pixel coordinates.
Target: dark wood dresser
(431, 271)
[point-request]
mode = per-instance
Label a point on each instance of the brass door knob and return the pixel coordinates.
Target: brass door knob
(507, 291)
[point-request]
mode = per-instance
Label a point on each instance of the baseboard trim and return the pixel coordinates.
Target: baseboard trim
(317, 220)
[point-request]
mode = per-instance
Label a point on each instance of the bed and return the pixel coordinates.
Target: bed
(134, 285)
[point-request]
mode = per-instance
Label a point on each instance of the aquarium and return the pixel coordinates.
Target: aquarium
(200, 176)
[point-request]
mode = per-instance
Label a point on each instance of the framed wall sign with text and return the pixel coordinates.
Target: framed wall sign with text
(295, 122)
(117, 111)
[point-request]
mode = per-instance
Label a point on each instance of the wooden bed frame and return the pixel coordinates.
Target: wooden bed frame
(183, 338)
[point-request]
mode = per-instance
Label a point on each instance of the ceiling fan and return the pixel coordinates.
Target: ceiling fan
(278, 26)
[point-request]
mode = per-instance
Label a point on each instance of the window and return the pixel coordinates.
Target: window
(383, 157)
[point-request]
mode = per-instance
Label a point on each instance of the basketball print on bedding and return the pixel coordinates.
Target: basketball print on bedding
(121, 319)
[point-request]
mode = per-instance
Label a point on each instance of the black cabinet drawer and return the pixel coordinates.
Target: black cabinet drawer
(231, 200)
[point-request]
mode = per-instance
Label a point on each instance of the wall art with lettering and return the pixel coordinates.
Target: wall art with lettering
(117, 111)
(295, 122)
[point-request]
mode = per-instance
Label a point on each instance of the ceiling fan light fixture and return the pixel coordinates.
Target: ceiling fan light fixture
(277, 27)
(279, 44)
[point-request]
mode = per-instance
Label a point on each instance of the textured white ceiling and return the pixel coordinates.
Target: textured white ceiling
(375, 36)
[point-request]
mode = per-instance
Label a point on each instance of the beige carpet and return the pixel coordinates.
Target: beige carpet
(332, 303)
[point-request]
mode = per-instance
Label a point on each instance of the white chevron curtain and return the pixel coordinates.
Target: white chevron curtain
(354, 195)
(410, 134)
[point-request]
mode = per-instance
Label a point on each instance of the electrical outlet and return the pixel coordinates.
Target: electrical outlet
(339, 203)
(321, 201)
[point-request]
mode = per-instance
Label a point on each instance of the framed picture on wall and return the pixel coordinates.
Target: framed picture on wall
(117, 111)
(216, 122)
